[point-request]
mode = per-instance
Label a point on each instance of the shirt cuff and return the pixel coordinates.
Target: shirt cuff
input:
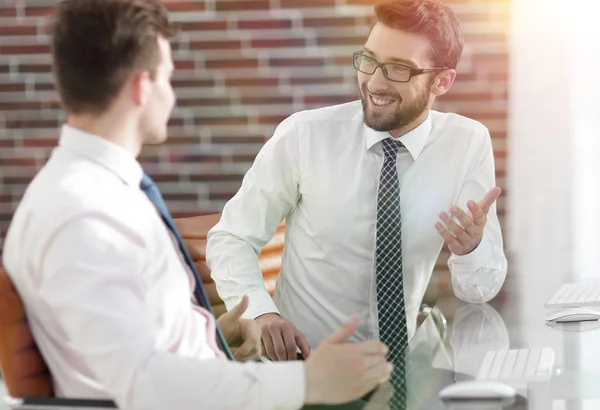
(259, 303)
(284, 385)
(477, 258)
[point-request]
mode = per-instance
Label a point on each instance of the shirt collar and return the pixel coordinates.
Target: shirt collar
(414, 140)
(104, 152)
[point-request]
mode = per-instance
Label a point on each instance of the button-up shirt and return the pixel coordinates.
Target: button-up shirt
(109, 298)
(320, 172)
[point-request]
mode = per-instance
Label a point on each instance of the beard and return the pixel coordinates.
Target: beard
(402, 116)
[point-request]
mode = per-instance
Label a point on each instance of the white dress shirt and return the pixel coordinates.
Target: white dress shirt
(108, 297)
(320, 171)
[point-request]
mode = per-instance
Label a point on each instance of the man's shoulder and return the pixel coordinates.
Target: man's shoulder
(449, 121)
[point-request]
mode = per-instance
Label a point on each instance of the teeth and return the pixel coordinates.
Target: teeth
(381, 102)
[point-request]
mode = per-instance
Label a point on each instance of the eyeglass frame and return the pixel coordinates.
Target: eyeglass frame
(413, 71)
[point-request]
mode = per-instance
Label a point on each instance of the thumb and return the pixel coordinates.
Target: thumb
(239, 309)
(343, 333)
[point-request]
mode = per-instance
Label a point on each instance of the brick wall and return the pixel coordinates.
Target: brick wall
(242, 66)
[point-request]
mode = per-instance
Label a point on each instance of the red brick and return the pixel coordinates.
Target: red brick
(12, 87)
(16, 180)
(188, 5)
(39, 11)
(329, 21)
(221, 177)
(25, 49)
(343, 60)
(297, 62)
(241, 5)
(184, 65)
(183, 196)
(223, 195)
(278, 42)
(252, 82)
(283, 43)
(39, 142)
(35, 68)
(272, 119)
(263, 24)
(233, 63)
(8, 12)
(7, 143)
(44, 86)
(18, 31)
(207, 122)
(175, 122)
(238, 140)
(27, 105)
(31, 123)
(341, 41)
(182, 140)
(204, 25)
(316, 80)
(193, 83)
(18, 161)
(267, 100)
(215, 45)
(293, 4)
(329, 99)
(196, 102)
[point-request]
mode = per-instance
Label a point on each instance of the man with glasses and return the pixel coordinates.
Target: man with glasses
(370, 191)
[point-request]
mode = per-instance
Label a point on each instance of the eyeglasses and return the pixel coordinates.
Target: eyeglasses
(393, 72)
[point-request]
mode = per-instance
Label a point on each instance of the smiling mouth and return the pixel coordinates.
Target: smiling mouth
(380, 102)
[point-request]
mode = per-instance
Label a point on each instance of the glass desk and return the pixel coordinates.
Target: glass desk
(440, 355)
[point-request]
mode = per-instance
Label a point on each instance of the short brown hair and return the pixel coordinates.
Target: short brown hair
(98, 44)
(428, 18)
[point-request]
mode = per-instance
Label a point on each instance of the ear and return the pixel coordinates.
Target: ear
(141, 87)
(443, 81)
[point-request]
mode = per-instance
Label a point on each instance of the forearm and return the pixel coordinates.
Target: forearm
(236, 272)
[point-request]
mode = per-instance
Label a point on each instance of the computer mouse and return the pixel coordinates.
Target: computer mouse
(575, 314)
(478, 390)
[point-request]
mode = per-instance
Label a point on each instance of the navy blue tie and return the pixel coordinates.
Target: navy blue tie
(152, 192)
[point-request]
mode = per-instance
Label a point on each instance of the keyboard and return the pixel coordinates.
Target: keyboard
(517, 366)
(575, 294)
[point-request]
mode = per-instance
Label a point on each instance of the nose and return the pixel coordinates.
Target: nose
(378, 83)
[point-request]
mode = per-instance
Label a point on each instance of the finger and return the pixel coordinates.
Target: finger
(343, 333)
(278, 344)
(248, 351)
(447, 236)
(290, 343)
(465, 220)
(268, 346)
(455, 229)
(377, 375)
(381, 398)
(239, 309)
(489, 199)
(302, 343)
(252, 336)
(372, 347)
(479, 217)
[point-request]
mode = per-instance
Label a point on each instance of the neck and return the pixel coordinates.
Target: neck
(397, 133)
(114, 128)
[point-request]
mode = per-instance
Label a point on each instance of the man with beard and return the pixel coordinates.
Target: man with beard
(370, 191)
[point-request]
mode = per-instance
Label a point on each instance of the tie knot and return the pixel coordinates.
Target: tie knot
(390, 149)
